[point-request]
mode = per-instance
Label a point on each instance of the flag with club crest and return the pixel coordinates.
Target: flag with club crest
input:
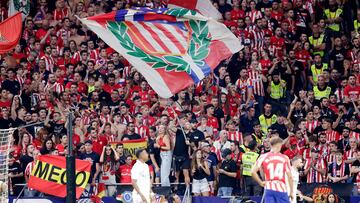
(171, 48)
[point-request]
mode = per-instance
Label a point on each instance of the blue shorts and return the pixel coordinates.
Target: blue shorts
(271, 196)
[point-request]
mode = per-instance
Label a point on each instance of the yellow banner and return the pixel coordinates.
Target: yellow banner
(130, 146)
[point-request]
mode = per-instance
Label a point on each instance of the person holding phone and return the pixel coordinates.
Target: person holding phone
(199, 171)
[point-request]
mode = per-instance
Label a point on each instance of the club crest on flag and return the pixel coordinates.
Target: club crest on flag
(166, 45)
(171, 48)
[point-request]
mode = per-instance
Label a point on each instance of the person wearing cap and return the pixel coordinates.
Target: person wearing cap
(227, 174)
(248, 161)
(315, 168)
(213, 161)
(94, 159)
(293, 150)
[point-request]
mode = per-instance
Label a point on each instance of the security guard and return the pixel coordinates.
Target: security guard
(316, 70)
(248, 161)
(321, 90)
(276, 89)
(267, 118)
(333, 16)
(357, 21)
(317, 41)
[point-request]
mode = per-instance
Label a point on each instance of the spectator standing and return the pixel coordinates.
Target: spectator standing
(199, 171)
(163, 143)
(227, 174)
(93, 158)
(109, 165)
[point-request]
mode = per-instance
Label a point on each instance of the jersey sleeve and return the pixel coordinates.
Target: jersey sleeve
(134, 172)
(260, 160)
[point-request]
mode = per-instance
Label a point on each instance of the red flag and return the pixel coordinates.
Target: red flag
(205, 7)
(49, 175)
(100, 193)
(10, 33)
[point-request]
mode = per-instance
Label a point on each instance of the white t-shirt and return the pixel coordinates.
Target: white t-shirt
(140, 172)
(295, 176)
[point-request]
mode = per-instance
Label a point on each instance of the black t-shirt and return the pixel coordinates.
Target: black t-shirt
(196, 137)
(281, 129)
(25, 160)
(6, 123)
(134, 136)
(181, 149)
(224, 180)
(18, 122)
(12, 86)
(298, 68)
(154, 151)
(338, 56)
(93, 158)
(219, 114)
(57, 128)
(200, 173)
(15, 169)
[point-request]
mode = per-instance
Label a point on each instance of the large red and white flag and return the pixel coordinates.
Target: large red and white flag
(10, 33)
(171, 48)
(205, 7)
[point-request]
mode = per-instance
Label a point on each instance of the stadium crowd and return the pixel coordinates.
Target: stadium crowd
(297, 77)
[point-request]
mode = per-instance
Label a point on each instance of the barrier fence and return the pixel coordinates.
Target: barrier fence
(318, 192)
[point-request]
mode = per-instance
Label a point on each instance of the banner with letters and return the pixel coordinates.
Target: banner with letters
(49, 175)
(130, 146)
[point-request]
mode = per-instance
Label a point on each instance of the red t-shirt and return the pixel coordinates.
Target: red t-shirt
(125, 173)
(6, 104)
(237, 14)
(352, 92)
(99, 144)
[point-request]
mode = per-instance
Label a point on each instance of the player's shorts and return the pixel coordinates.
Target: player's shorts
(271, 196)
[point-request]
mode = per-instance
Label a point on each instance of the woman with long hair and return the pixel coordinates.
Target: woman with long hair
(163, 143)
(332, 198)
(47, 147)
(40, 137)
(199, 171)
(109, 165)
(25, 140)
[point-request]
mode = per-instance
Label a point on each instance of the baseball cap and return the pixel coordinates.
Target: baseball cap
(225, 152)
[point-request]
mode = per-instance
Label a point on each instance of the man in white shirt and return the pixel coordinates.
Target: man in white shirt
(222, 143)
(140, 176)
(297, 163)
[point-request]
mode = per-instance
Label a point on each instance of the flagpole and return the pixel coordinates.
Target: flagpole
(70, 164)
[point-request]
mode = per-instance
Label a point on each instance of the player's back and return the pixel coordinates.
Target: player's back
(275, 166)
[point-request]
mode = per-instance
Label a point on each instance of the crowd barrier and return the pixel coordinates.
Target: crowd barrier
(317, 191)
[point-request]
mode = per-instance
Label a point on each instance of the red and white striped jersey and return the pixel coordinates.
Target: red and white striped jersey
(20, 80)
(256, 80)
(49, 62)
(311, 125)
(255, 14)
(332, 135)
(350, 154)
(257, 39)
(59, 14)
(355, 135)
(314, 176)
(126, 119)
(142, 130)
(243, 87)
(94, 54)
(217, 152)
(76, 56)
(275, 166)
(63, 34)
(56, 87)
(126, 72)
(330, 158)
(235, 136)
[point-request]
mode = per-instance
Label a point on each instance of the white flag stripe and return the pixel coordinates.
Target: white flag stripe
(147, 35)
(168, 42)
(179, 37)
(152, 76)
(206, 8)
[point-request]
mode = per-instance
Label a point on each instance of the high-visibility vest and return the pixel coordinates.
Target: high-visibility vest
(248, 161)
(317, 42)
(333, 15)
(356, 25)
(316, 72)
(321, 93)
(277, 91)
(264, 122)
